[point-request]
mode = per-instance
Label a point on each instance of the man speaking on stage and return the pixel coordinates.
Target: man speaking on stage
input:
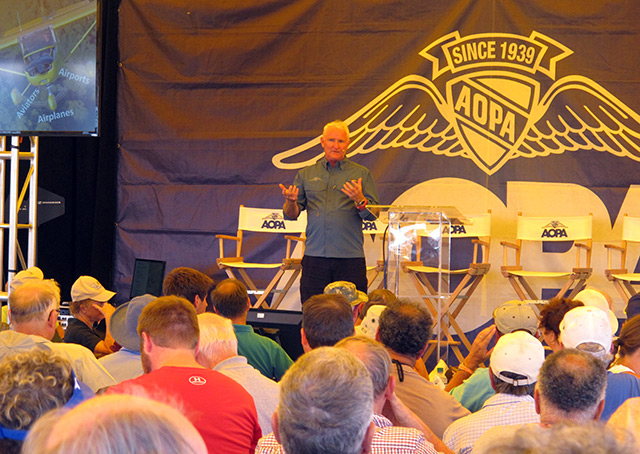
(335, 192)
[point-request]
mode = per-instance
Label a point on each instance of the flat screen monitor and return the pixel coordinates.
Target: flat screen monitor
(147, 277)
(49, 67)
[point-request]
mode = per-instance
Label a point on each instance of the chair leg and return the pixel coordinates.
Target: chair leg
(261, 302)
(275, 304)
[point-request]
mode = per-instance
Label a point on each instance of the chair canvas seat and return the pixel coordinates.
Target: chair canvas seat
(430, 269)
(549, 229)
(541, 274)
(249, 265)
(631, 277)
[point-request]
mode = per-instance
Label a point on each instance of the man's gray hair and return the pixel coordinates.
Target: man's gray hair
(326, 403)
(34, 300)
(375, 358)
(338, 124)
(217, 339)
(571, 384)
(591, 438)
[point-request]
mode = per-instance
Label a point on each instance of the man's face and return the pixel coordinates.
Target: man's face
(335, 143)
(94, 311)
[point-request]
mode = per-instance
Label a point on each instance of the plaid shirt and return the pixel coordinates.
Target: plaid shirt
(388, 439)
(499, 410)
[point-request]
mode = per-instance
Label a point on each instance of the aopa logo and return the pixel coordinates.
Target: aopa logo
(369, 225)
(456, 229)
(554, 229)
(492, 109)
(273, 221)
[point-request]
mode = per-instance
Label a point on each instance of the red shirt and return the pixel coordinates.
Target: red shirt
(220, 408)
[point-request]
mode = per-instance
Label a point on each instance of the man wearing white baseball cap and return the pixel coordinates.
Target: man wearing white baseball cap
(515, 362)
(588, 328)
(89, 305)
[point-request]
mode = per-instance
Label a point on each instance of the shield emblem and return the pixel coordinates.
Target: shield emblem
(491, 112)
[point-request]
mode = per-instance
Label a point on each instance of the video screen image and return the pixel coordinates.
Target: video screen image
(48, 81)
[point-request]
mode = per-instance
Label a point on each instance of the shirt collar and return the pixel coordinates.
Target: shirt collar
(327, 166)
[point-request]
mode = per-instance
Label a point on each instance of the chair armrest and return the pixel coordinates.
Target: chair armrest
(509, 244)
(480, 242)
(295, 238)
(613, 246)
(228, 237)
(583, 246)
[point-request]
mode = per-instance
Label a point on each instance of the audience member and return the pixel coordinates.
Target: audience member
(32, 383)
(326, 319)
(116, 424)
(387, 436)
(405, 330)
(587, 328)
(625, 422)
(551, 316)
(570, 389)
(592, 438)
(89, 305)
(190, 284)
(220, 408)
(348, 289)
(627, 347)
(633, 306)
(597, 298)
(509, 317)
(231, 300)
(21, 277)
(34, 315)
(218, 350)
(326, 404)
(377, 297)
(125, 363)
(369, 326)
(515, 362)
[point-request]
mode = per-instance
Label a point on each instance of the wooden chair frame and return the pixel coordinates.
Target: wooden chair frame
(458, 298)
(577, 277)
(620, 277)
(236, 263)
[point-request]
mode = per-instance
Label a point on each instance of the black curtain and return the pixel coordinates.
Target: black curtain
(83, 171)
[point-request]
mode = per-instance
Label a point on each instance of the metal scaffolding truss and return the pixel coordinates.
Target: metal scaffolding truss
(18, 170)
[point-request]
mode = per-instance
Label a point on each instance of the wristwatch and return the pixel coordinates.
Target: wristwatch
(361, 204)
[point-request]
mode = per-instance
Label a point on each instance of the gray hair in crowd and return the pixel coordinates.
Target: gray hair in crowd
(572, 383)
(375, 358)
(125, 424)
(326, 403)
(591, 438)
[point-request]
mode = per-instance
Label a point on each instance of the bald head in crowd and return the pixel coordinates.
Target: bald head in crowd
(33, 308)
(571, 387)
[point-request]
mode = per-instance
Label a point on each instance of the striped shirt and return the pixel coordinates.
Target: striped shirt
(388, 439)
(499, 410)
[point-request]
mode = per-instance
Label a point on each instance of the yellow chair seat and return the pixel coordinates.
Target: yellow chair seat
(627, 276)
(540, 273)
(249, 265)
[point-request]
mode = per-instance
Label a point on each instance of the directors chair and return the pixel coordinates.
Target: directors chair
(576, 229)
(268, 221)
(478, 230)
(620, 277)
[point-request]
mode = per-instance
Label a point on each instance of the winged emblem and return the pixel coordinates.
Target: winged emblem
(488, 115)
